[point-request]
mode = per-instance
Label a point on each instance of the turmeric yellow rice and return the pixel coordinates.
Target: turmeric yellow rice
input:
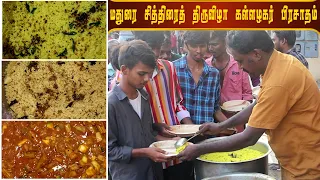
(54, 30)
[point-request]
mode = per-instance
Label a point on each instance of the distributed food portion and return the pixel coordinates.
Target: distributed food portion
(33, 149)
(55, 90)
(245, 154)
(169, 147)
(181, 148)
(54, 30)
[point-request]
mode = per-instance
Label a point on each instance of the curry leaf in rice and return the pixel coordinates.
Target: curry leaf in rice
(95, 23)
(69, 33)
(33, 9)
(64, 53)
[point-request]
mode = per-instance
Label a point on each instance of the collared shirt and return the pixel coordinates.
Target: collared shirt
(202, 99)
(236, 85)
(166, 98)
(288, 108)
(126, 131)
(174, 57)
(299, 56)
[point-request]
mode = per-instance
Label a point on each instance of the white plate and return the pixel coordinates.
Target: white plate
(235, 105)
(184, 130)
(168, 146)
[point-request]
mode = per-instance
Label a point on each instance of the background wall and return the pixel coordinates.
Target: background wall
(308, 42)
(314, 64)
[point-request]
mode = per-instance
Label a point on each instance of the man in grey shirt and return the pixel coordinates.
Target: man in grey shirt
(130, 120)
(284, 42)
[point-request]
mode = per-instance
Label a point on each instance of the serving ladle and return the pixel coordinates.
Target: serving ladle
(182, 141)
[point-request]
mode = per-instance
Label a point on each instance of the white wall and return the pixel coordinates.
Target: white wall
(314, 64)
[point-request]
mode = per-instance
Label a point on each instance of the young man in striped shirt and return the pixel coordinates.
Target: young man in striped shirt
(166, 102)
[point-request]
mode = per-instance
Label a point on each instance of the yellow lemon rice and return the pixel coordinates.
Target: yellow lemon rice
(245, 154)
(54, 30)
(181, 148)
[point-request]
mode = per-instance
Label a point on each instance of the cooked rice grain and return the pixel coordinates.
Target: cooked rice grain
(54, 30)
(54, 90)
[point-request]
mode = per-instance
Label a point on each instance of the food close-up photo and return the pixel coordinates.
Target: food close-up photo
(61, 149)
(54, 29)
(54, 90)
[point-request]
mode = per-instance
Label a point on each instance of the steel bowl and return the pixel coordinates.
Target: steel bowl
(207, 169)
(242, 176)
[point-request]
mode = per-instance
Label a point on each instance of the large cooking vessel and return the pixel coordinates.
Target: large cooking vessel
(206, 169)
(242, 176)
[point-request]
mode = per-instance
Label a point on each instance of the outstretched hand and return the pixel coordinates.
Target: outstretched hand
(163, 129)
(210, 129)
(191, 152)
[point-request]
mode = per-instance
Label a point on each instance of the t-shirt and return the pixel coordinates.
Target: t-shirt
(288, 106)
(136, 104)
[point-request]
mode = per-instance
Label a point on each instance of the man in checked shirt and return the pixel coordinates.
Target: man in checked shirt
(284, 42)
(199, 82)
(166, 102)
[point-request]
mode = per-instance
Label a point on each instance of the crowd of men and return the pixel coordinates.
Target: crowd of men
(154, 85)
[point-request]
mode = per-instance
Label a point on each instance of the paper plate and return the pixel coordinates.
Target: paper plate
(235, 105)
(168, 146)
(255, 91)
(184, 130)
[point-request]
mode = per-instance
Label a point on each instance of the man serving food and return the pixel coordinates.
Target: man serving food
(287, 108)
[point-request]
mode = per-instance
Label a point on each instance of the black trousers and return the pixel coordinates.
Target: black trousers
(182, 171)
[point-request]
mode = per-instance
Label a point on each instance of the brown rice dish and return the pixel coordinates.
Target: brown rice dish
(55, 90)
(38, 149)
(54, 30)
